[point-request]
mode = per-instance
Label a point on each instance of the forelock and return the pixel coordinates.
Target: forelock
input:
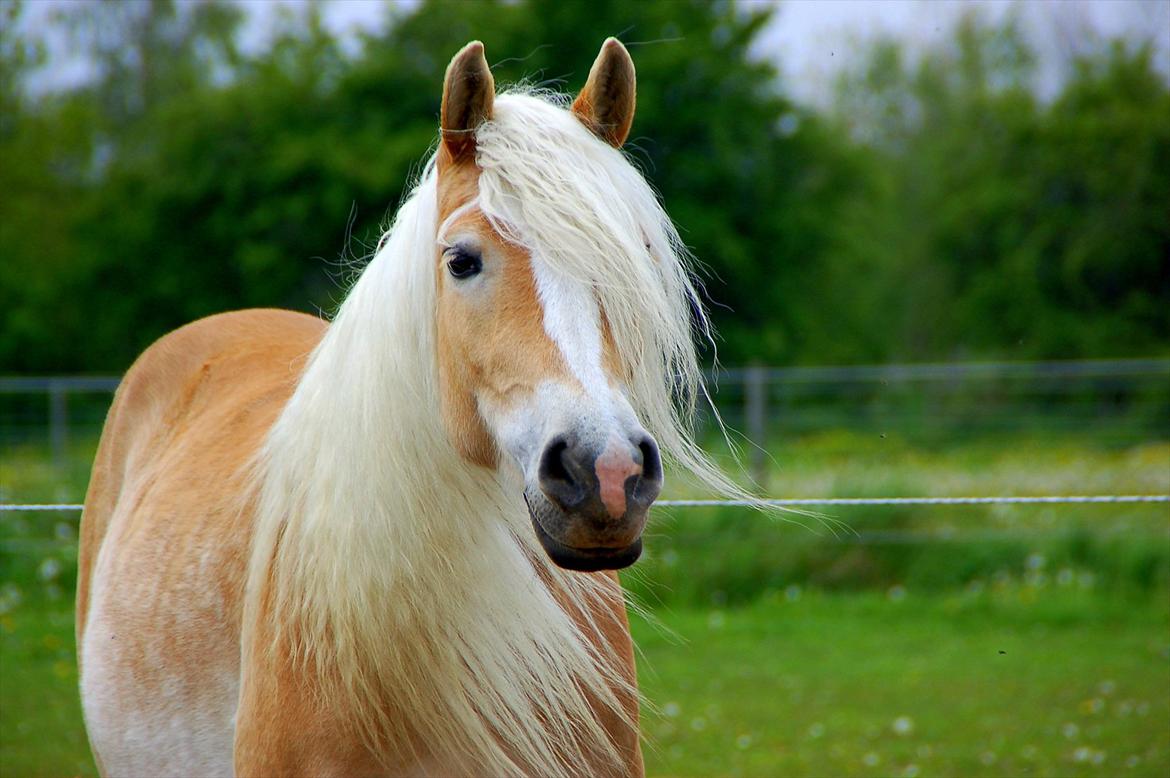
(581, 208)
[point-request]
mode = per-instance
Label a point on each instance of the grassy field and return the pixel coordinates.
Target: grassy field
(965, 641)
(1007, 681)
(41, 733)
(1014, 681)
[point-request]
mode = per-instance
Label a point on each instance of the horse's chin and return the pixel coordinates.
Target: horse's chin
(583, 560)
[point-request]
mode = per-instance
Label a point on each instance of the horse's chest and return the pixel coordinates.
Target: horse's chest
(159, 664)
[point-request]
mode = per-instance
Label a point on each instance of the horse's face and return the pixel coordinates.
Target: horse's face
(528, 370)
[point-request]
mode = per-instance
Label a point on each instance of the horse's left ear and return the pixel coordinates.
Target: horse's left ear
(469, 93)
(606, 104)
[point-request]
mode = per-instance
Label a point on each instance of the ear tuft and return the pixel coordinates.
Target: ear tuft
(606, 103)
(468, 95)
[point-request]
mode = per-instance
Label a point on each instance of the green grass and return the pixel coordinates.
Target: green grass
(800, 653)
(1007, 682)
(849, 463)
(718, 556)
(1010, 680)
(41, 732)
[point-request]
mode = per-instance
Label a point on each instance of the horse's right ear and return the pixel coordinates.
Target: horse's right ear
(468, 94)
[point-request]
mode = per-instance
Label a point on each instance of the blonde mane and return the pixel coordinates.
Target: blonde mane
(396, 571)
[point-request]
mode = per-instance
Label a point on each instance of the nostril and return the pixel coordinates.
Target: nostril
(559, 477)
(552, 463)
(651, 459)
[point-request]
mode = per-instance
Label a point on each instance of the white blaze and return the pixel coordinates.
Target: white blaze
(572, 320)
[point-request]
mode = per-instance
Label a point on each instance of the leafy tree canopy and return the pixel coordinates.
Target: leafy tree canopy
(937, 210)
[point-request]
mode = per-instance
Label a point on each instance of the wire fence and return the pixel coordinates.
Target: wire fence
(1119, 402)
(1117, 398)
(1052, 499)
(66, 541)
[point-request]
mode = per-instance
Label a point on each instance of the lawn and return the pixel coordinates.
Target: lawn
(1008, 680)
(982, 641)
(41, 733)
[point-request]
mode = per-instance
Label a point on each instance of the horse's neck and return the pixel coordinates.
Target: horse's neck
(409, 581)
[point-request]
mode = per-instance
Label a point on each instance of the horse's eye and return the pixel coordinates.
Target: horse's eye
(461, 263)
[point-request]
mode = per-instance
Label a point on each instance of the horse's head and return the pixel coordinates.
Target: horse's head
(537, 351)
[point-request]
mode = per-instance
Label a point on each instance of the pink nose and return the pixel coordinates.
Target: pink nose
(615, 465)
(610, 491)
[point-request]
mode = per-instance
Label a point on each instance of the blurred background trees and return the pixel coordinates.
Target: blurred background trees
(934, 208)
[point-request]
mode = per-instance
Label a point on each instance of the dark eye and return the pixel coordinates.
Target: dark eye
(461, 263)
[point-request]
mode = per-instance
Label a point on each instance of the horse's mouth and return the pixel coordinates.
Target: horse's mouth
(587, 560)
(584, 560)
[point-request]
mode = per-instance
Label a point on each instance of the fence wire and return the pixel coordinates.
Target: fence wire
(850, 537)
(1002, 500)
(1117, 400)
(1051, 499)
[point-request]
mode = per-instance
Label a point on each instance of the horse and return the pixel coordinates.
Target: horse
(387, 544)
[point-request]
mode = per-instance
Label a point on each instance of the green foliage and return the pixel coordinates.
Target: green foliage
(994, 224)
(938, 209)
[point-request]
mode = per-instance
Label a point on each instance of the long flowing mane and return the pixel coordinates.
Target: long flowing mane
(397, 572)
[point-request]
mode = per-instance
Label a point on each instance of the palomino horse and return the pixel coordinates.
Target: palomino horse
(385, 545)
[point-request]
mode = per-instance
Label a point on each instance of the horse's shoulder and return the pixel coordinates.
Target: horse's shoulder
(263, 336)
(234, 351)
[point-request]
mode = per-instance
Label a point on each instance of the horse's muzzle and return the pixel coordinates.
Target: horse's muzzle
(592, 505)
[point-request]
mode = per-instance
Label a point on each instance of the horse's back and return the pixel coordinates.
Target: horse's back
(165, 538)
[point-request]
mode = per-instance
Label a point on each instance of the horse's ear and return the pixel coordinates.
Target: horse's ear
(468, 94)
(606, 104)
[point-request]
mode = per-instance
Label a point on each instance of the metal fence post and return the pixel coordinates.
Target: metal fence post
(58, 423)
(755, 395)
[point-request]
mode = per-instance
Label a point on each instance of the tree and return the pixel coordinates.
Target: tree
(215, 194)
(938, 210)
(995, 225)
